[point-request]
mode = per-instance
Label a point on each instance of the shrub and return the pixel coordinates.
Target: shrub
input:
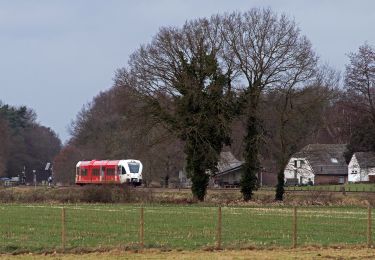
(101, 194)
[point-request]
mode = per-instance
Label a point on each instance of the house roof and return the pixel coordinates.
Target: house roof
(365, 159)
(325, 159)
(227, 163)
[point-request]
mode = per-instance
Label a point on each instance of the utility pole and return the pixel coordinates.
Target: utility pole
(34, 172)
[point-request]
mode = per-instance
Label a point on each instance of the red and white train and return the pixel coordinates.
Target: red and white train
(109, 172)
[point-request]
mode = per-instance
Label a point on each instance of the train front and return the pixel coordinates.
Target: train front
(131, 172)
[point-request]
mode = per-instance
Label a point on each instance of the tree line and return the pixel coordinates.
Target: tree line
(25, 145)
(249, 82)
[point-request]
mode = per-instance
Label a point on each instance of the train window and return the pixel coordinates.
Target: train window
(133, 167)
(123, 171)
(83, 172)
(110, 172)
(95, 172)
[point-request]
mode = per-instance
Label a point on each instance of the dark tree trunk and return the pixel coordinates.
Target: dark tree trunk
(251, 168)
(279, 195)
(280, 184)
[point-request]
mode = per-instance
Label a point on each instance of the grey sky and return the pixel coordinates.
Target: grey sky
(55, 56)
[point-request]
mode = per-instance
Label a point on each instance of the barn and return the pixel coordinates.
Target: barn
(230, 171)
(317, 164)
(361, 167)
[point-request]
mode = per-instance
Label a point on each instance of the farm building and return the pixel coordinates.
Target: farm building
(317, 164)
(361, 167)
(230, 171)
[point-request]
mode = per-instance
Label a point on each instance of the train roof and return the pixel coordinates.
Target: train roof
(98, 163)
(104, 162)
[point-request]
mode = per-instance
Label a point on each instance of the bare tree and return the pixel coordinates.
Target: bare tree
(360, 79)
(64, 164)
(267, 52)
(299, 113)
(115, 125)
(360, 91)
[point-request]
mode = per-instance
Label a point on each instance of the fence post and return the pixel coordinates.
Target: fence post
(141, 228)
(294, 237)
(63, 235)
(369, 226)
(219, 228)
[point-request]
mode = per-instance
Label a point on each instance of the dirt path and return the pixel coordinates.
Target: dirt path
(302, 253)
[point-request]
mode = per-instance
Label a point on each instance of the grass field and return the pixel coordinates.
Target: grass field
(350, 187)
(34, 228)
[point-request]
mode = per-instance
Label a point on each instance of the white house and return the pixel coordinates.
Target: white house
(361, 167)
(298, 171)
(317, 164)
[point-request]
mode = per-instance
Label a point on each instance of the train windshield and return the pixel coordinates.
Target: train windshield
(133, 167)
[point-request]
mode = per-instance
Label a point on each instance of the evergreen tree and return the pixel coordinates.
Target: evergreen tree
(202, 118)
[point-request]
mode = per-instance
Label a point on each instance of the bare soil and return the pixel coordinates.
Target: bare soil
(274, 253)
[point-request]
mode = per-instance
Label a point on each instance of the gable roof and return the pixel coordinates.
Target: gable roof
(365, 159)
(325, 159)
(227, 163)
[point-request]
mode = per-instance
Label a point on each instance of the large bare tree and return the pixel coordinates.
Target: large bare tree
(360, 99)
(296, 114)
(266, 51)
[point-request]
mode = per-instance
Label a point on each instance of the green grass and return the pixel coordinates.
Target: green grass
(352, 187)
(38, 227)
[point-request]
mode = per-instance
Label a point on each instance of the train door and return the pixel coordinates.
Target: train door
(102, 173)
(95, 174)
(83, 172)
(110, 174)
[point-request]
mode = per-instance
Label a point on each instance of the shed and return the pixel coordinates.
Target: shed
(229, 171)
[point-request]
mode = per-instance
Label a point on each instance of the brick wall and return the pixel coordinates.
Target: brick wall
(329, 179)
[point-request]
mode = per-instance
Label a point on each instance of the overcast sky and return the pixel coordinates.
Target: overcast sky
(55, 56)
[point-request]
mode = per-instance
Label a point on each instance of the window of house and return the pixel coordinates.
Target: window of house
(298, 163)
(341, 180)
(334, 160)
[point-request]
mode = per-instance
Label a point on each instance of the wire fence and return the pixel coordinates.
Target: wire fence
(30, 228)
(330, 188)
